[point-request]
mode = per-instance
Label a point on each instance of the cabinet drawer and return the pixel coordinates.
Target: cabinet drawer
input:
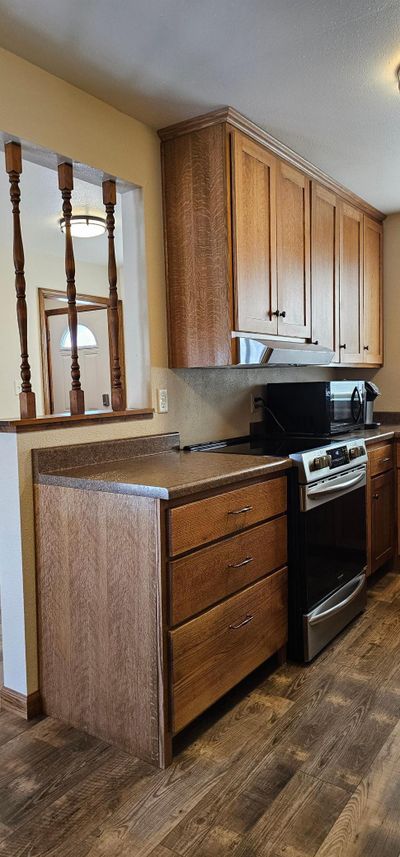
(204, 521)
(210, 654)
(201, 579)
(380, 458)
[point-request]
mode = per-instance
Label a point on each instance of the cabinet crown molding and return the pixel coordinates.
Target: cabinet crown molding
(233, 118)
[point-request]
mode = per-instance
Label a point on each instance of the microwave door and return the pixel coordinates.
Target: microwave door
(347, 404)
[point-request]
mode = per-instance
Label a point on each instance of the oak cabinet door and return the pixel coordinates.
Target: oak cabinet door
(324, 268)
(373, 333)
(351, 285)
(254, 219)
(293, 252)
(382, 519)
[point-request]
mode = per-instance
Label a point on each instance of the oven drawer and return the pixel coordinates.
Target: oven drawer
(380, 458)
(201, 579)
(202, 521)
(212, 653)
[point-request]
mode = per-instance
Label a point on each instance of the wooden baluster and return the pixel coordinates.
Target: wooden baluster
(117, 392)
(66, 184)
(27, 403)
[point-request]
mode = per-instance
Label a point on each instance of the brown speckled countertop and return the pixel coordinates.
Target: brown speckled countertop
(156, 467)
(165, 474)
(383, 432)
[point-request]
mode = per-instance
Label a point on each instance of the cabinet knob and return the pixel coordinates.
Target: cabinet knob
(315, 342)
(375, 496)
(366, 347)
(343, 346)
(276, 313)
(282, 314)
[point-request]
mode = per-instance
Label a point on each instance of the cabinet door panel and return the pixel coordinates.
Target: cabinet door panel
(293, 252)
(351, 285)
(382, 519)
(324, 268)
(254, 217)
(373, 333)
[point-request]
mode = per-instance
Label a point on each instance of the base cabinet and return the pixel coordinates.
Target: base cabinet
(380, 505)
(213, 652)
(150, 610)
(382, 519)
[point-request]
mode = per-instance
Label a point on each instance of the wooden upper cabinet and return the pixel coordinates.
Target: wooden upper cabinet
(324, 267)
(373, 321)
(293, 248)
(254, 231)
(248, 250)
(197, 226)
(351, 285)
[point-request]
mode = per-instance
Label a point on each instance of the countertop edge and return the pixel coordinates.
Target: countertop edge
(159, 492)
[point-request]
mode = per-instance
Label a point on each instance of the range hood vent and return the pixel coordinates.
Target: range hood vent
(270, 352)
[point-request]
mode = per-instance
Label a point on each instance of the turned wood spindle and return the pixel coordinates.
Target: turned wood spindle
(117, 392)
(66, 184)
(27, 402)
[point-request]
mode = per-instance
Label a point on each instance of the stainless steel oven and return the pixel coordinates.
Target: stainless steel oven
(331, 556)
(327, 531)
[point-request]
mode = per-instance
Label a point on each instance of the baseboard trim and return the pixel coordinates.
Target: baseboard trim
(26, 706)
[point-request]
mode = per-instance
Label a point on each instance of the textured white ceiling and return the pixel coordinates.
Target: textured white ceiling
(317, 74)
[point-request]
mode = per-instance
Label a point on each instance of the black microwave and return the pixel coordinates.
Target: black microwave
(315, 407)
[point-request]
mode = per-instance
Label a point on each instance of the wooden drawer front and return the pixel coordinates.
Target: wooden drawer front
(210, 654)
(204, 521)
(380, 458)
(199, 580)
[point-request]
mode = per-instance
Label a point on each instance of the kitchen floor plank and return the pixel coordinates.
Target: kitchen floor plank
(369, 824)
(300, 762)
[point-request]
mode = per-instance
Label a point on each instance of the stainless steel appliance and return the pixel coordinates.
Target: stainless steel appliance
(372, 392)
(315, 407)
(327, 532)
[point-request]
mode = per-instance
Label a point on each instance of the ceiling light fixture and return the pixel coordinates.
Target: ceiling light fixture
(83, 226)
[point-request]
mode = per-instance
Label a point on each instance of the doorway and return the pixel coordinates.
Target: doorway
(94, 350)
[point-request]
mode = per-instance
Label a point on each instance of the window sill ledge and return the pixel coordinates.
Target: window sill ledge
(56, 421)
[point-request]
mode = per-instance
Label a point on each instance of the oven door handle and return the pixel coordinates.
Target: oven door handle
(332, 611)
(331, 489)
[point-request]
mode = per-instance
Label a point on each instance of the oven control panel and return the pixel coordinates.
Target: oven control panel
(315, 463)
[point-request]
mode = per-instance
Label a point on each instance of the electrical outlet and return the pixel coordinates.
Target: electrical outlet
(162, 401)
(253, 406)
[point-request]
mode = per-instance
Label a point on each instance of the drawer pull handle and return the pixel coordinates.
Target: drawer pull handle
(240, 511)
(384, 460)
(246, 621)
(242, 563)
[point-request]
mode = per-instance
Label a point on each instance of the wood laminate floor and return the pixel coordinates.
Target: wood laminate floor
(301, 762)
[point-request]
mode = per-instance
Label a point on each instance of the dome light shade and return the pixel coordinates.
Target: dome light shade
(85, 226)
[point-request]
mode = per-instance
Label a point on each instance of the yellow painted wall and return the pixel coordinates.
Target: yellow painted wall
(388, 378)
(204, 404)
(43, 109)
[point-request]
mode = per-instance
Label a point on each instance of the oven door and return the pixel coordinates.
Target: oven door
(333, 534)
(326, 621)
(347, 403)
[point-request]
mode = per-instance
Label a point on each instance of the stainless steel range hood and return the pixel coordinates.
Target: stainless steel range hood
(259, 351)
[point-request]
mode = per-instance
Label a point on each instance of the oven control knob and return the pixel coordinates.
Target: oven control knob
(356, 451)
(321, 462)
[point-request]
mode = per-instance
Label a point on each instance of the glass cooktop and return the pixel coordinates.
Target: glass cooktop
(277, 444)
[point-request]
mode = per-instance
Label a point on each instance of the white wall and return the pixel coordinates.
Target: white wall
(11, 576)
